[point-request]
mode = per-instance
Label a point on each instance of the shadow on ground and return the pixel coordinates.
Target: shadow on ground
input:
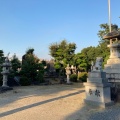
(22, 92)
(84, 112)
(38, 104)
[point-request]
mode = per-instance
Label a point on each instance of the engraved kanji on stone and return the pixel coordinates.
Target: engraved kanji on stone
(90, 92)
(97, 93)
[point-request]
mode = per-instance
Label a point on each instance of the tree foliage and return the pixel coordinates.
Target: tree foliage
(16, 64)
(105, 29)
(80, 61)
(32, 68)
(62, 53)
(1, 61)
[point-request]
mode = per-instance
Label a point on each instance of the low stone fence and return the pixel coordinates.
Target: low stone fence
(113, 77)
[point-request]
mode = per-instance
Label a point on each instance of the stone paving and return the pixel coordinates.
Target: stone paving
(110, 113)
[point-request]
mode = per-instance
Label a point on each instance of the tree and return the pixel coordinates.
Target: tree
(104, 30)
(1, 61)
(32, 70)
(62, 53)
(89, 54)
(16, 64)
(30, 51)
(80, 61)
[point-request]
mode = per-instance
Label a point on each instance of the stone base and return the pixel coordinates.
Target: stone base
(118, 98)
(70, 83)
(98, 90)
(98, 104)
(3, 89)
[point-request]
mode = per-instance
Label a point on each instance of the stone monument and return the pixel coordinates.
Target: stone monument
(68, 73)
(97, 87)
(98, 64)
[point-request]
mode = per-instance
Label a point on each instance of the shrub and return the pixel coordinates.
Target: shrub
(73, 78)
(40, 77)
(31, 66)
(24, 81)
(82, 76)
(1, 78)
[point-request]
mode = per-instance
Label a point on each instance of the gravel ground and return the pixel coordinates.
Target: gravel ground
(53, 102)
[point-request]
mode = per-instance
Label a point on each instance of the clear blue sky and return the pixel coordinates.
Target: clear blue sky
(38, 23)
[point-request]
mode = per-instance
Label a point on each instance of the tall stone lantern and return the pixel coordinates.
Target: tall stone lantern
(112, 68)
(6, 66)
(68, 72)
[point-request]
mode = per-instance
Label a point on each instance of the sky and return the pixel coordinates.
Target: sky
(37, 24)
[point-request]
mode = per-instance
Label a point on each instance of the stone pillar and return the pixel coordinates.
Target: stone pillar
(5, 79)
(68, 78)
(97, 89)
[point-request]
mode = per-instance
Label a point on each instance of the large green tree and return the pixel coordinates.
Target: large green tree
(32, 69)
(63, 53)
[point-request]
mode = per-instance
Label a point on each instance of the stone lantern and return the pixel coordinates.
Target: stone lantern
(6, 66)
(73, 68)
(112, 68)
(68, 72)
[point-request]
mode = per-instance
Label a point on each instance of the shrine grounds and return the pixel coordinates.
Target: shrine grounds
(52, 102)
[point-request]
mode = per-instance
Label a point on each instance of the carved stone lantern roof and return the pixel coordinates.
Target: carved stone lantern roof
(6, 63)
(115, 34)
